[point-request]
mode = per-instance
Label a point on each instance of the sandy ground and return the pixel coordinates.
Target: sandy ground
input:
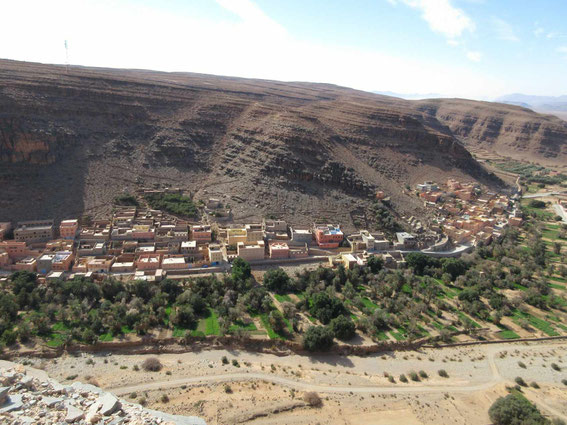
(268, 389)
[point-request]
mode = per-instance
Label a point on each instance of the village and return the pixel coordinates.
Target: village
(148, 244)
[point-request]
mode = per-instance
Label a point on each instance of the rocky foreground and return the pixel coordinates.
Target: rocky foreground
(29, 396)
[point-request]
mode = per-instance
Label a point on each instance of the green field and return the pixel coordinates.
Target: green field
(369, 304)
(210, 324)
(283, 298)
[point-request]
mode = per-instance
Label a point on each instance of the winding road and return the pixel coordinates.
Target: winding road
(495, 379)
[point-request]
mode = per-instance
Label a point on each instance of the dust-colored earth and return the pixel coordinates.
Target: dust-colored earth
(268, 389)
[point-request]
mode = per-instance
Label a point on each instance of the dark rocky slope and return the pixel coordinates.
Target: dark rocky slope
(70, 140)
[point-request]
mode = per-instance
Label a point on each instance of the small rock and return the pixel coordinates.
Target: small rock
(3, 394)
(51, 401)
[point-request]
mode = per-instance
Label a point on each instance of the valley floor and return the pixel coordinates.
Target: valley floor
(268, 389)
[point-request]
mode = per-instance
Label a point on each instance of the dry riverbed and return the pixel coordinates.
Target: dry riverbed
(268, 389)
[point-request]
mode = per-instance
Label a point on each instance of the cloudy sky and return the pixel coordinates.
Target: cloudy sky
(478, 49)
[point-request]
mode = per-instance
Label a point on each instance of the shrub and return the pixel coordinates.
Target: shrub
(564, 381)
(71, 377)
(235, 363)
(556, 367)
(343, 328)
(133, 395)
(520, 381)
(423, 374)
(522, 365)
(514, 409)
(318, 338)
(164, 398)
(403, 378)
(443, 373)
(534, 385)
(413, 376)
(136, 367)
(152, 365)
(143, 401)
(224, 360)
(312, 398)
(227, 389)
(391, 379)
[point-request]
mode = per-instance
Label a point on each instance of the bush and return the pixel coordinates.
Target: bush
(235, 363)
(536, 204)
(423, 374)
(227, 389)
(522, 365)
(391, 379)
(224, 360)
(152, 365)
(514, 409)
(312, 399)
(564, 381)
(520, 381)
(343, 328)
(318, 338)
(414, 376)
(443, 373)
(556, 367)
(164, 398)
(534, 385)
(143, 401)
(403, 378)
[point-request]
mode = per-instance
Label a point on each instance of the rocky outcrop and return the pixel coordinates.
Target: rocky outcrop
(29, 397)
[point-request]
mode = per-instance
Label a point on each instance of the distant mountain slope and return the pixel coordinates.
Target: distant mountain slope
(71, 140)
(505, 129)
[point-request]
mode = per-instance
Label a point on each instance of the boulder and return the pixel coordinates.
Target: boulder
(73, 414)
(13, 403)
(108, 404)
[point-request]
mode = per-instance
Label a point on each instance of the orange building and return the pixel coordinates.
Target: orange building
(14, 249)
(148, 262)
(201, 233)
(62, 261)
(328, 235)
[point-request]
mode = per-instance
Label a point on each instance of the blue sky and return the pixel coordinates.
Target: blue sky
(478, 49)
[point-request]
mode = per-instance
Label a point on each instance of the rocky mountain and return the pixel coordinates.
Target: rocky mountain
(507, 130)
(71, 139)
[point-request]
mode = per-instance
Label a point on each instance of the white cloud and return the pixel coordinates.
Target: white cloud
(474, 56)
(442, 17)
(562, 50)
(504, 30)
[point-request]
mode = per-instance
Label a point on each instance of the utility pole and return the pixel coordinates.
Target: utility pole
(66, 57)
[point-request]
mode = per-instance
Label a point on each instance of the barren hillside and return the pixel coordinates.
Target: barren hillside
(504, 129)
(70, 140)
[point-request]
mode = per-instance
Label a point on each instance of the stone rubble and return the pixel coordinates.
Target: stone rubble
(30, 397)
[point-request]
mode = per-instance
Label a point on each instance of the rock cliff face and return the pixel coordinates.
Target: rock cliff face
(508, 130)
(71, 140)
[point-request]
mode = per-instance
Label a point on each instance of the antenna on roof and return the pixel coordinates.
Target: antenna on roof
(66, 57)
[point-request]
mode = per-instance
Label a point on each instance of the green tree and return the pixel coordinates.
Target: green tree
(515, 409)
(241, 270)
(343, 328)
(277, 280)
(325, 307)
(375, 263)
(318, 338)
(277, 321)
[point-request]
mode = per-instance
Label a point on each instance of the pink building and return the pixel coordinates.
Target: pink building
(27, 264)
(279, 250)
(148, 262)
(68, 229)
(62, 261)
